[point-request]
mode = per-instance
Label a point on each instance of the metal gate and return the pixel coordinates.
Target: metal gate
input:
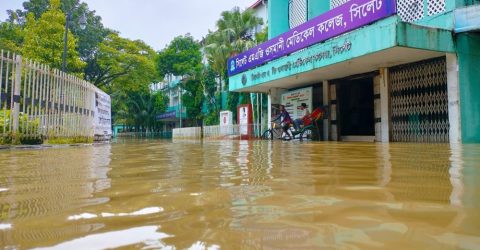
(419, 102)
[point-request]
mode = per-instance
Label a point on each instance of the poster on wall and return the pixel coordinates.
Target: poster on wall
(226, 120)
(102, 121)
(292, 101)
(244, 120)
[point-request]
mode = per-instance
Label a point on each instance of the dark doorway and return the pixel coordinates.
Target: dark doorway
(356, 107)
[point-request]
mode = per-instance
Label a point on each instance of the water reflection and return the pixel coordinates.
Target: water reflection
(241, 194)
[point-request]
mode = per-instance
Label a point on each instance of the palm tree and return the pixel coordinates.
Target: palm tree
(141, 109)
(234, 35)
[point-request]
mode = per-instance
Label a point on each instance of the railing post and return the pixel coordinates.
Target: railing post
(16, 94)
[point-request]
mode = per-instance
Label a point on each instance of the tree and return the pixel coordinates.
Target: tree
(139, 109)
(182, 56)
(121, 63)
(11, 37)
(44, 40)
(233, 36)
(88, 39)
(212, 99)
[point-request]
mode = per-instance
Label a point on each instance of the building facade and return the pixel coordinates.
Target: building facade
(388, 71)
(175, 114)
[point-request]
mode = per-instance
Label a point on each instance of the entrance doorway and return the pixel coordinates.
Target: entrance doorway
(356, 109)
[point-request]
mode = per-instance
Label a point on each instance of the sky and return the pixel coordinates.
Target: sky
(156, 22)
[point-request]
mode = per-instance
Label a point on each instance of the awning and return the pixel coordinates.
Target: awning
(467, 19)
(385, 43)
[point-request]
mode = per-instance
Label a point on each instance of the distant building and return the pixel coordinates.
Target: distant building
(261, 11)
(175, 114)
(387, 71)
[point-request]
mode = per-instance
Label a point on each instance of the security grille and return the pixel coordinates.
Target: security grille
(336, 3)
(419, 102)
(297, 11)
(410, 10)
(435, 7)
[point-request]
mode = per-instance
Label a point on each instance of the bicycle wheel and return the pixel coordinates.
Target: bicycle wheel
(306, 134)
(267, 135)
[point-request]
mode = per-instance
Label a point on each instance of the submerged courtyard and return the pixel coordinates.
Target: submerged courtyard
(147, 194)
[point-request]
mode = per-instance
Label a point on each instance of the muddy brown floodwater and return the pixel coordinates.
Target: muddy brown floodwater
(148, 194)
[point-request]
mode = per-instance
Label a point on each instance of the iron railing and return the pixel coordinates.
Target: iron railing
(39, 102)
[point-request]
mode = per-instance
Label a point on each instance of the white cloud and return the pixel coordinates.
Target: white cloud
(157, 22)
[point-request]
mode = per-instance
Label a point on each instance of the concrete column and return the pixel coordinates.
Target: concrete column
(269, 110)
(453, 99)
(326, 99)
(332, 91)
(274, 97)
(277, 18)
(377, 108)
(385, 105)
(468, 52)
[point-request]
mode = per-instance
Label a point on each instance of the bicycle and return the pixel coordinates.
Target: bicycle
(303, 133)
(279, 133)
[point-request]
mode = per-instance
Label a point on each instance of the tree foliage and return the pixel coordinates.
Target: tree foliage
(182, 56)
(44, 39)
(233, 36)
(121, 63)
(139, 109)
(88, 38)
(122, 67)
(11, 37)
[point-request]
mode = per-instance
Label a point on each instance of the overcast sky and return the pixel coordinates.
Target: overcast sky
(156, 22)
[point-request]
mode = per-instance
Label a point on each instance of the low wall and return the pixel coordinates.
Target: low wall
(218, 132)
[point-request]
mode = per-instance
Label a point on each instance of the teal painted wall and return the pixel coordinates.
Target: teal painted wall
(468, 52)
(369, 39)
(414, 36)
(317, 7)
(277, 18)
(384, 34)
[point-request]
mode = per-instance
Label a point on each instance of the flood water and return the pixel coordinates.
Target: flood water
(147, 194)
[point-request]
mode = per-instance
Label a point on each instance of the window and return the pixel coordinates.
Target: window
(297, 12)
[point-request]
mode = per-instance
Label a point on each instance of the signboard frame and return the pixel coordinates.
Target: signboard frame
(347, 17)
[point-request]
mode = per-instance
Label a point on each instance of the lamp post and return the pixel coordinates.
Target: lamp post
(83, 25)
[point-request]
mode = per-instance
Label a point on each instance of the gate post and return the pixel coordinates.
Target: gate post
(16, 95)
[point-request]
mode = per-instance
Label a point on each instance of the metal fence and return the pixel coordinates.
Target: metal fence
(218, 132)
(39, 102)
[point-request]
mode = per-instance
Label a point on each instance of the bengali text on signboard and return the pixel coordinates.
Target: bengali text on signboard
(344, 18)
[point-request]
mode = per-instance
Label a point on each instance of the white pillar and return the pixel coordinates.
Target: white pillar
(269, 109)
(274, 97)
(377, 108)
(385, 104)
(326, 101)
(16, 93)
(453, 99)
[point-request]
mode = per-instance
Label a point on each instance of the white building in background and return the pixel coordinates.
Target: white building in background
(175, 113)
(261, 10)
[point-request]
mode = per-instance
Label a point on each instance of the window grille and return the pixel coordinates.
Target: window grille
(419, 102)
(336, 3)
(297, 12)
(410, 10)
(435, 7)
